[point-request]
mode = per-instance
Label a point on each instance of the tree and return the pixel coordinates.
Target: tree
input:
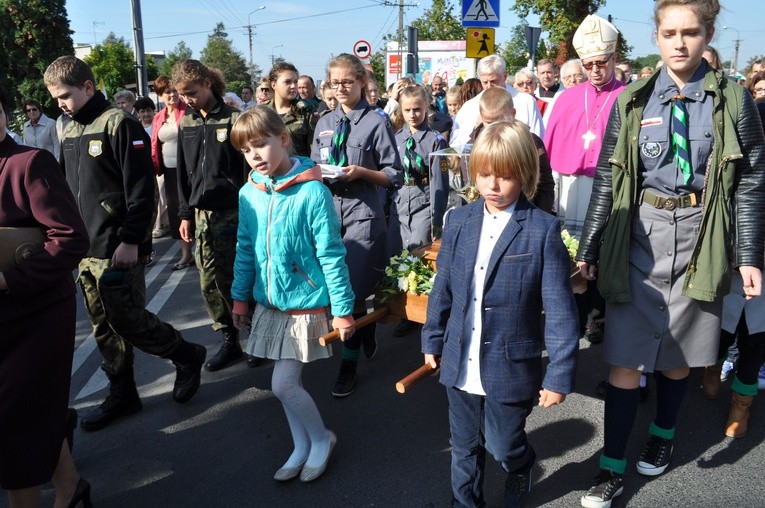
(377, 61)
(644, 61)
(561, 18)
(114, 62)
(220, 54)
(179, 52)
(439, 23)
(33, 33)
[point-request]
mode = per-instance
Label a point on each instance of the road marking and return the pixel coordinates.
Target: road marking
(98, 380)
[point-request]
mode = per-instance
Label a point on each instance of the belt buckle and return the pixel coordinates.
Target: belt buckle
(670, 204)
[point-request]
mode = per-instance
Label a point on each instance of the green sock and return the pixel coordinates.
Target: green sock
(617, 466)
(350, 354)
(657, 431)
(742, 389)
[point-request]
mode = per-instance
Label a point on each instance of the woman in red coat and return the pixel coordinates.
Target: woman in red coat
(38, 317)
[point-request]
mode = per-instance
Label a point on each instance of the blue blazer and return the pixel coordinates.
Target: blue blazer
(528, 271)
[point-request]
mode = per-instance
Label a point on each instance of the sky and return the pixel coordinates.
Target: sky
(307, 32)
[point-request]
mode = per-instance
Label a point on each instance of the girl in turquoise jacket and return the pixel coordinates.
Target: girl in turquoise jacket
(290, 259)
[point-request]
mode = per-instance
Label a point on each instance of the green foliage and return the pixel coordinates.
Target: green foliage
(439, 23)
(220, 54)
(113, 62)
(571, 243)
(407, 274)
(644, 61)
(33, 33)
(561, 18)
(180, 52)
(377, 61)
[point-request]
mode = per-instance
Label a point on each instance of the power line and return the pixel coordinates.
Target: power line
(266, 22)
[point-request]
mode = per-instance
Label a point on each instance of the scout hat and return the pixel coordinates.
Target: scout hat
(595, 37)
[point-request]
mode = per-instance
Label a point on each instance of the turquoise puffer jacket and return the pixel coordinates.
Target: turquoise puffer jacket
(289, 254)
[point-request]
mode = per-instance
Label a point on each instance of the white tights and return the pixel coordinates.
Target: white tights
(309, 434)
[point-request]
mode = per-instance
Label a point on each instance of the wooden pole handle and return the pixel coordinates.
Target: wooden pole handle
(366, 319)
(412, 378)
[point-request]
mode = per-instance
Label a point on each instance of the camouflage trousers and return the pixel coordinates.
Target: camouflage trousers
(116, 303)
(215, 236)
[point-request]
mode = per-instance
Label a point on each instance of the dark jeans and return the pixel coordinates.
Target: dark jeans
(478, 425)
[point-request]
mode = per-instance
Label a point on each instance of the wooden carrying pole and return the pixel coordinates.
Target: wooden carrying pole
(412, 378)
(363, 321)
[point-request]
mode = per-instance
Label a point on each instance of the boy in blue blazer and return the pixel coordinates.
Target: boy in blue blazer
(501, 262)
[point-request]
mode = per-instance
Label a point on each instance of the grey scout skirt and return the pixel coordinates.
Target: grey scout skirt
(660, 329)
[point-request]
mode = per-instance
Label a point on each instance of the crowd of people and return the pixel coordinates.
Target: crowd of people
(290, 204)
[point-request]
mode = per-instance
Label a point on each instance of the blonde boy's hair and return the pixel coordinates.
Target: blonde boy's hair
(256, 123)
(496, 100)
(507, 150)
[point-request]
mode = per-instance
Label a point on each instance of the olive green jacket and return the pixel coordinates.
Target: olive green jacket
(733, 200)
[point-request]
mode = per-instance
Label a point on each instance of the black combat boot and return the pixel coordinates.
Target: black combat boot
(188, 359)
(229, 352)
(122, 400)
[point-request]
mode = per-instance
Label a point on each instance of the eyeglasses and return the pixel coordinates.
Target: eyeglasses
(524, 83)
(600, 64)
(759, 90)
(29, 110)
(346, 83)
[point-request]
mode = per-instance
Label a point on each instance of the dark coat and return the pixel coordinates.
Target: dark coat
(34, 193)
(528, 272)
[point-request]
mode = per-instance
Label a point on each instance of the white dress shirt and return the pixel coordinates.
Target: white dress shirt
(469, 376)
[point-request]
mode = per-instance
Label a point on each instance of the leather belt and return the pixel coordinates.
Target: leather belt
(668, 202)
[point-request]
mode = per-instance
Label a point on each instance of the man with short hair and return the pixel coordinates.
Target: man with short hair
(125, 100)
(39, 130)
(247, 97)
(438, 94)
(492, 72)
(106, 157)
(548, 86)
(307, 90)
(626, 68)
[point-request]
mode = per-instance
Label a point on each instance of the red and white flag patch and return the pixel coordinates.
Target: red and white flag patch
(138, 144)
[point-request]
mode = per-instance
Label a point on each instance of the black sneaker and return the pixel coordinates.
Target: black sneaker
(369, 342)
(346, 380)
(518, 484)
(404, 328)
(655, 456)
(608, 485)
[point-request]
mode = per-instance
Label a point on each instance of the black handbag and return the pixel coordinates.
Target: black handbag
(17, 244)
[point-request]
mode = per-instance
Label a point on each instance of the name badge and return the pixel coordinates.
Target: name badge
(651, 121)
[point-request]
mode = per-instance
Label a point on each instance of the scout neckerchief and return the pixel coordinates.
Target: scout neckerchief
(337, 155)
(680, 137)
(413, 162)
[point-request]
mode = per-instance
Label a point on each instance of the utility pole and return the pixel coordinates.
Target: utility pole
(140, 55)
(96, 22)
(249, 37)
(734, 63)
(400, 37)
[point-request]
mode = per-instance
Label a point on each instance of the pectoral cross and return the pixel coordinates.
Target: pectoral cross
(587, 137)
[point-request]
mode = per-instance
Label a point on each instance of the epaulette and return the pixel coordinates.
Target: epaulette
(382, 113)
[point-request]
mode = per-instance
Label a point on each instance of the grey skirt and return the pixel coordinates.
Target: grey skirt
(661, 329)
(281, 336)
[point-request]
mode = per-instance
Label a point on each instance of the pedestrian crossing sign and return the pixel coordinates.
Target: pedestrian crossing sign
(480, 13)
(480, 42)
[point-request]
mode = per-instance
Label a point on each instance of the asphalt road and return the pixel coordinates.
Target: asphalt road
(223, 447)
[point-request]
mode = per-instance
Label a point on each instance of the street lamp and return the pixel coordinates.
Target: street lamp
(734, 63)
(273, 53)
(249, 30)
